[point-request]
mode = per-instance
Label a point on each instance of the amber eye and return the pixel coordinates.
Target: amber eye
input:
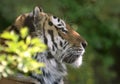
(50, 23)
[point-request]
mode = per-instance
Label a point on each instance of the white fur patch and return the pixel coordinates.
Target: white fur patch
(78, 62)
(61, 22)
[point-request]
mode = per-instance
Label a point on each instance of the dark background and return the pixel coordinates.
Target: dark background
(98, 21)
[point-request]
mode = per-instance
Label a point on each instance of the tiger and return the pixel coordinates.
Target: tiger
(64, 45)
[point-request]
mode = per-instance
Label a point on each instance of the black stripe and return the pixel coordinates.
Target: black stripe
(58, 19)
(63, 30)
(65, 46)
(52, 37)
(45, 38)
(53, 48)
(50, 56)
(54, 17)
(56, 27)
(60, 35)
(61, 44)
(65, 42)
(59, 25)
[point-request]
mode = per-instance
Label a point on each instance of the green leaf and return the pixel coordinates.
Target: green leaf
(18, 54)
(28, 40)
(24, 32)
(10, 36)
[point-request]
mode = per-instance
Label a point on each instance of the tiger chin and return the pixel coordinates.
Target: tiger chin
(64, 44)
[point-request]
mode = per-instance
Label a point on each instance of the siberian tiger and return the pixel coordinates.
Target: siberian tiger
(64, 44)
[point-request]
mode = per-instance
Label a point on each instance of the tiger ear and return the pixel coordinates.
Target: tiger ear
(37, 10)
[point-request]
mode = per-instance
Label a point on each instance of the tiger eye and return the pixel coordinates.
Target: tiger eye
(50, 23)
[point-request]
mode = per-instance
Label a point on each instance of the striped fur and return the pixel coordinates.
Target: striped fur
(64, 44)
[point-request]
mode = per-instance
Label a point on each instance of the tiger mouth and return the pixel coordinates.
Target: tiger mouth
(72, 54)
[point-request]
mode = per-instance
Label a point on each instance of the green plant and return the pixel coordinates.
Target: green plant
(16, 54)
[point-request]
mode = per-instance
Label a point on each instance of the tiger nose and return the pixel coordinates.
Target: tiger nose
(84, 44)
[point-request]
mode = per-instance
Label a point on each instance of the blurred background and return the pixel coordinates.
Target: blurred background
(98, 21)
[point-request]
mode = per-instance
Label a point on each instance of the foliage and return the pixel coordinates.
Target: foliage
(98, 21)
(16, 54)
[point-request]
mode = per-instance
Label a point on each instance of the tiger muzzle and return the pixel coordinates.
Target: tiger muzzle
(72, 54)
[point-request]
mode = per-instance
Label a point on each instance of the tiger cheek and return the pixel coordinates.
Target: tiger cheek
(67, 36)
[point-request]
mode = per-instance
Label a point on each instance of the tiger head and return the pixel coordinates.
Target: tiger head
(64, 44)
